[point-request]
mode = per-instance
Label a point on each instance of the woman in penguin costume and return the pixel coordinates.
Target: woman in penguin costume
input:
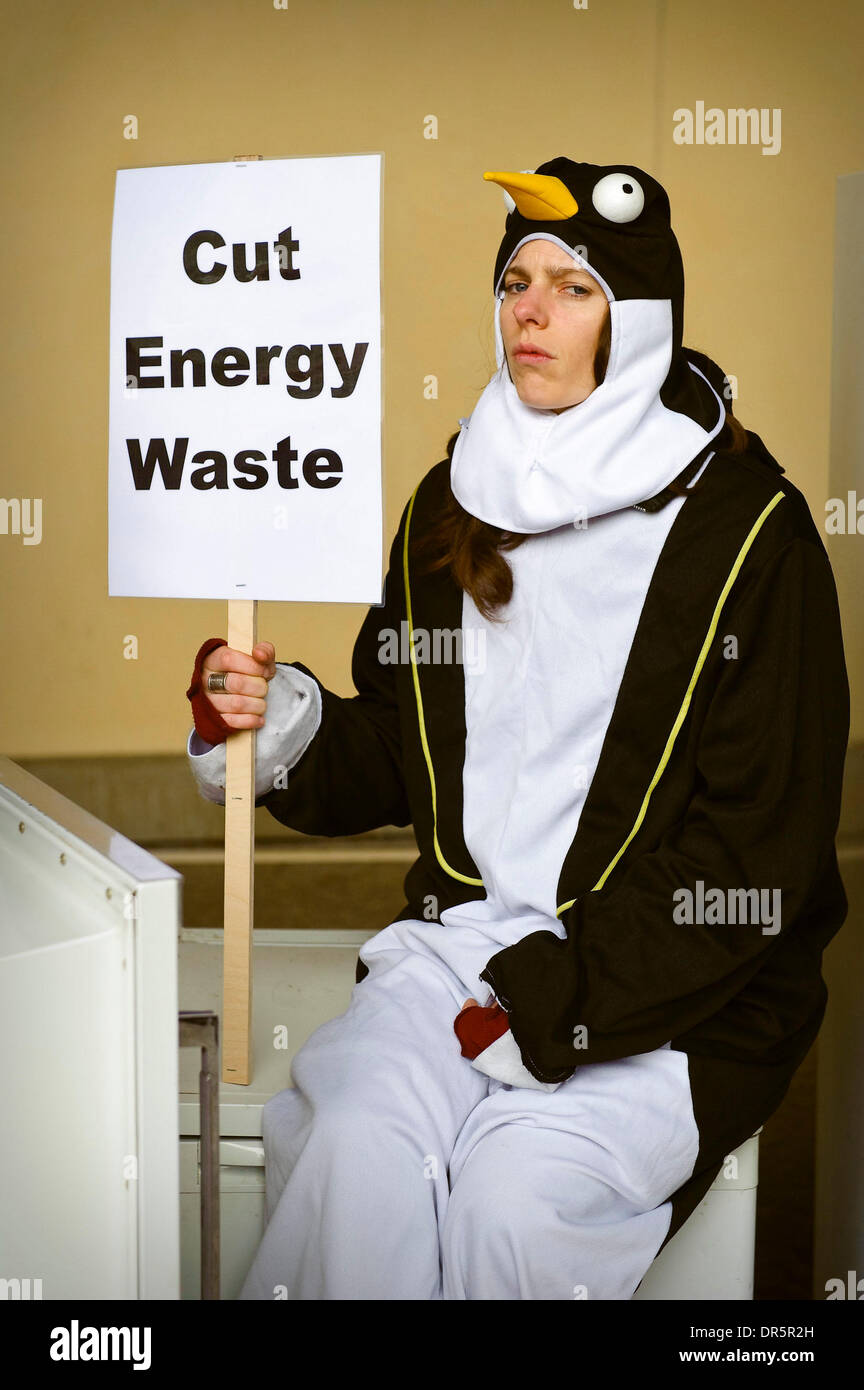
(608, 965)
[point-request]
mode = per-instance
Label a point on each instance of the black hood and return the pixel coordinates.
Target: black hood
(618, 218)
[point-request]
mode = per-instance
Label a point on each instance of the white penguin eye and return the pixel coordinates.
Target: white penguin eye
(618, 197)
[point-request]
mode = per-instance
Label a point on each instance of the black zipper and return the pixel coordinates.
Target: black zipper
(487, 976)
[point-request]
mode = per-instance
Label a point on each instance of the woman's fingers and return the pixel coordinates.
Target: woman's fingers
(265, 653)
(242, 721)
(228, 659)
(243, 674)
(243, 703)
(232, 702)
(236, 684)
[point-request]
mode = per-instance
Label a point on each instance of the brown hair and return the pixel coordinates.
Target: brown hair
(473, 548)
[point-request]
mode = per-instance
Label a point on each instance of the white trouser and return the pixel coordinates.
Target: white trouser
(396, 1170)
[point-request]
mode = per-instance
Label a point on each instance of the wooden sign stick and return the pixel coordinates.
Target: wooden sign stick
(239, 871)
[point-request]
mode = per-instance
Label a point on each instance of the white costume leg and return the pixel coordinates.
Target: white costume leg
(357, 1155)
(563, 1195)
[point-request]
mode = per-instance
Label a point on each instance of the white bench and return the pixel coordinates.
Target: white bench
(712, 1255)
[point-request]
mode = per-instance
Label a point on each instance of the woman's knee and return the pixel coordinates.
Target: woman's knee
(494, 1193)
(370, 1123)
(520, 1226)
(284, 1113)
(511, 1182)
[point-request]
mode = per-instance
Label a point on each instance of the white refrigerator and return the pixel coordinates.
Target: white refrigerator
(89, 1164)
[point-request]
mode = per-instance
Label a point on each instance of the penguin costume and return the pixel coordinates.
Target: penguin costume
(625, 804)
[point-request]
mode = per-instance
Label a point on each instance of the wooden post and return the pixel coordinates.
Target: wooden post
(237, 1058)
(239, 913)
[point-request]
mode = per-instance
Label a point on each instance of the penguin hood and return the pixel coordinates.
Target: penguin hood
(528, 469)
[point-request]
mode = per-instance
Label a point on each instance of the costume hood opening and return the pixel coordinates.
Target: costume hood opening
(527, 469)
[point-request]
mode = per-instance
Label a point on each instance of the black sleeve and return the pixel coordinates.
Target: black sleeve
(350, 778)
(763, 815)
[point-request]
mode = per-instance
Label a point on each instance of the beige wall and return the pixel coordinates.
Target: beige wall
(511, 85)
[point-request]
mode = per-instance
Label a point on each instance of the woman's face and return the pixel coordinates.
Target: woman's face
(549, 303)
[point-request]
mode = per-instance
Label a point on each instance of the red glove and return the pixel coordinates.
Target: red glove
(477, 1027)
(208, 721)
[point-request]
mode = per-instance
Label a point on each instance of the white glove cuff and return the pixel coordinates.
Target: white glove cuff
(292, 719)
(502, 1060)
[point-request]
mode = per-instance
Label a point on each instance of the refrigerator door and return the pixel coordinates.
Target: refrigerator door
(89, 1180)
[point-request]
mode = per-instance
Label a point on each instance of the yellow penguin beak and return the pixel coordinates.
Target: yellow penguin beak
(540, 197)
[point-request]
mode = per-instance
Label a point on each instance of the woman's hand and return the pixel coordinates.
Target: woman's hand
(477, 1033)
(243, 704)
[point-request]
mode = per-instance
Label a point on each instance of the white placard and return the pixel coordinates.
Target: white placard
(253, 469)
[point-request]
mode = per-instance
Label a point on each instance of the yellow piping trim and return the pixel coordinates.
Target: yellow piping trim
(463, 878)
(685, 704)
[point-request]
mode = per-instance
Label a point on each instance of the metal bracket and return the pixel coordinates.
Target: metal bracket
(200, 1028)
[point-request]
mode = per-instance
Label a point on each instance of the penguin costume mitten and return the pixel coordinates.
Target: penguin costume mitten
(649, 423)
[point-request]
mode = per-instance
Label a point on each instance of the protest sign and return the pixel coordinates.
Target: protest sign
(245, 405)
(245, 425)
